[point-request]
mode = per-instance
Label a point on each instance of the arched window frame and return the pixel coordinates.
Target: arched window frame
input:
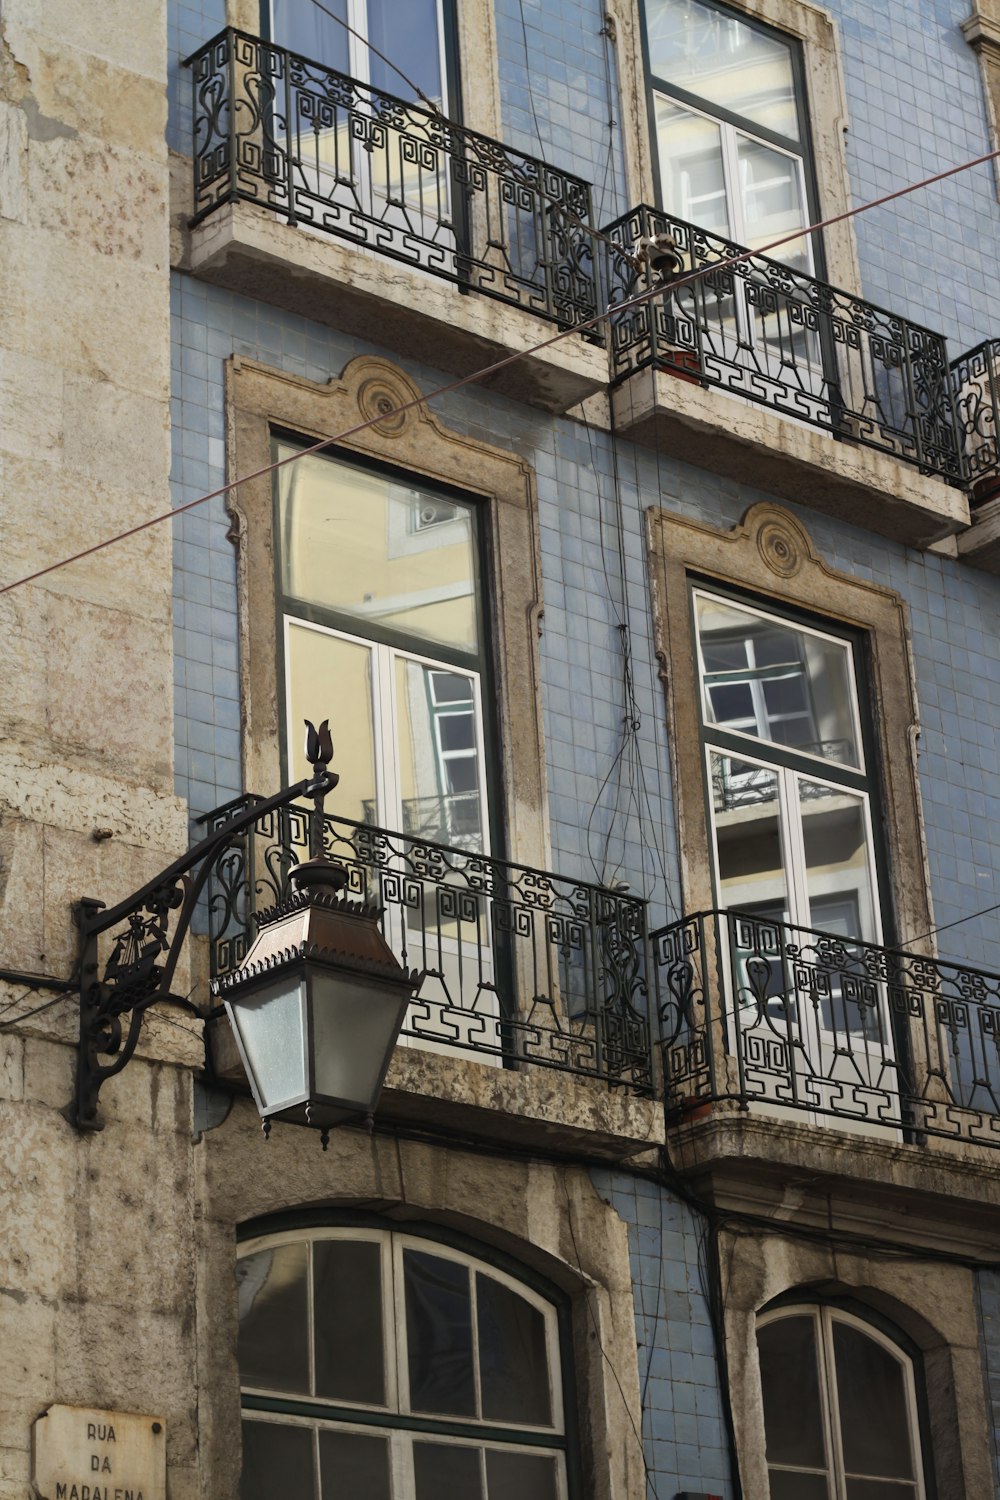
(825, 1312)
(553, 1302)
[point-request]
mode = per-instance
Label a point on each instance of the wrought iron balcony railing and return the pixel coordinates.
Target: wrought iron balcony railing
(788, 341)
(799, 1024)
(976, 379)
(521, 966)
(326, 151)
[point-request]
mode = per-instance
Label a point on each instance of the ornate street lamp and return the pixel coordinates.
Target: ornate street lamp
(316, 1006)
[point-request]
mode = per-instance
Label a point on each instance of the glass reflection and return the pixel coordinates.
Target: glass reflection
(840, 903)
(748, 833)
(438, 756)
(388, 554)
(715, 55)
(776, 681)
(691, 168)
(439, 1334)
(322, 668)
(273, 1306)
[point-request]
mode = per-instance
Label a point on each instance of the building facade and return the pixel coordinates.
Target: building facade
(650, 590)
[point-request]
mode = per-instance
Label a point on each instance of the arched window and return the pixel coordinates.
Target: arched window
(840, 1408)
(374, 1363)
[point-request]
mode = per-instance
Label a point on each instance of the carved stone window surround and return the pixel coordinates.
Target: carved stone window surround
(771, 554)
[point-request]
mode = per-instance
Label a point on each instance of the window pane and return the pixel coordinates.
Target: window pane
(277, 1460)
(789, 1377)
(771, 190)
(748, 835)
(352, 1466)
(691, 172)
(715, 55)
(439, 1335)
(274, 1316)
(785, 1486)
(325, 671)
(408, 34)
(798, 682)
(347, 1302)
(520, 1476)
(446, 1472)
(513, 1363)
(439, 801)
(835, 838)
(873, 1408)
(303, 27)
(351, 541)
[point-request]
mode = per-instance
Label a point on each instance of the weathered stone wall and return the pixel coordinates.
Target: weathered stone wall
(96, 1275)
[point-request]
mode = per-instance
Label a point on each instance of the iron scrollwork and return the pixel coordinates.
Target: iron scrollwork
(154, 923)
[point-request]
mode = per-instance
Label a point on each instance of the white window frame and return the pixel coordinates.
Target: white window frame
(385, 717)
(824, 1317)
(393, 1244)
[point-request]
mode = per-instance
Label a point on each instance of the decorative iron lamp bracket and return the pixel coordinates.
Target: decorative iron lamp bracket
(140, 971)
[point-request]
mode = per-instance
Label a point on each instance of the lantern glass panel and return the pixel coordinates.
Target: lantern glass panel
(354, 1027)
(270, 1025)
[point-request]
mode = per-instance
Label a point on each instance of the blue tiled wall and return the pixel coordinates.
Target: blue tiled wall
(683, 1429)
(916, 107)
(624, 828)
(555, 61)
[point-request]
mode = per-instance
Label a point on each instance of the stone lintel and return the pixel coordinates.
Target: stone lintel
(781, 456)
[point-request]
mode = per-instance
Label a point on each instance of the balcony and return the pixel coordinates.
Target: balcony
(976, 380)
(540, 979)
(351, 206)
(832, 401)
(803, 1027)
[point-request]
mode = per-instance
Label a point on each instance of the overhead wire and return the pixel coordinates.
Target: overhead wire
(29, 1014)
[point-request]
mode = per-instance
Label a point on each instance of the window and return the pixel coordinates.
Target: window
(730, 124)
(379, 583)
(792, 736)
(377, 1364)
(793, 846)
(480, 627)
(840, 1408)
(786, 767)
